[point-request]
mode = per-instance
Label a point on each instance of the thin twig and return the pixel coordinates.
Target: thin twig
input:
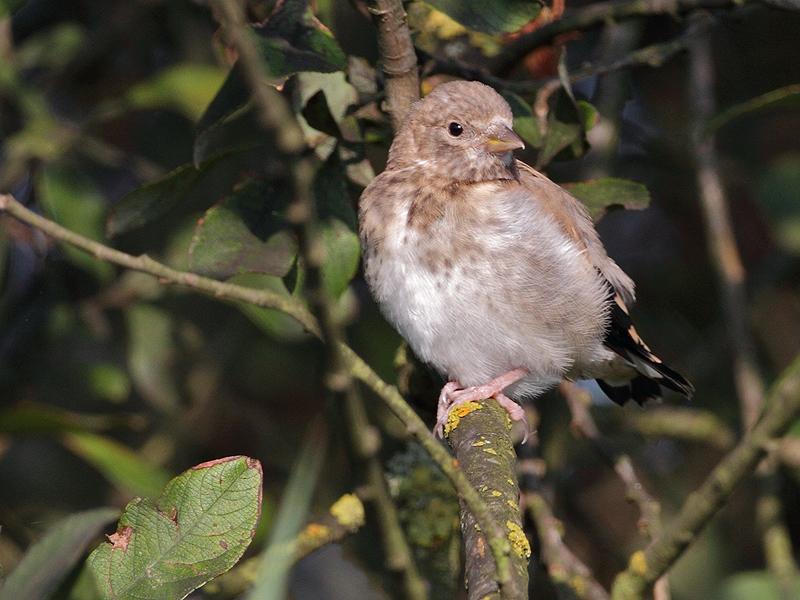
(579, 401)
(645, 567)
(649, 508)
(345, 516)
(571, 577)
(564, 567)
(654, 55)
(594, 15)
(398, 59)
(720, 236)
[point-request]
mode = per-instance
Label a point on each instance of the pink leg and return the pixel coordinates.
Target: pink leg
(452, 395)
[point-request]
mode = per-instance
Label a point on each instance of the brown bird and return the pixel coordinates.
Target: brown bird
(494, 274)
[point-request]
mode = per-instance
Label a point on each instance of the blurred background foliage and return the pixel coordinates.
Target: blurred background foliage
(124, 121)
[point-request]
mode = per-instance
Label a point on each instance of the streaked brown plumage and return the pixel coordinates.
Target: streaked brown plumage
(493, 273)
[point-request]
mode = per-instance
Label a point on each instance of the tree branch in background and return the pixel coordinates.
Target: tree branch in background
(564, 567)
(345, 516)
(480, 436)
(579, 401)
(398, 59)
(594, 15)
(719, 232)
(570, 576)
(654, 55)
(731, 276)
(782, 408)
(649, 524)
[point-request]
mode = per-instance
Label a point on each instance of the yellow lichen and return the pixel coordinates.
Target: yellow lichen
(480, 442)
(638, 563)
(314, 534)
(512, 504)
(496, 493)
(490, 451)
(457, 413)
(578, 584)
(510, 481)
(348, 511)
(519, 542)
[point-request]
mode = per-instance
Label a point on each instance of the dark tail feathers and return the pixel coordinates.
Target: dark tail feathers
(623, 339)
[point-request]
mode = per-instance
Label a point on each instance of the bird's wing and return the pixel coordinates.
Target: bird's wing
(577, 224)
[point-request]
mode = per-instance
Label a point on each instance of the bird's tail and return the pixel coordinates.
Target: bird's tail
(651, 372)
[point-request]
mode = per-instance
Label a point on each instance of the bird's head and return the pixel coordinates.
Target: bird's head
(462, 131)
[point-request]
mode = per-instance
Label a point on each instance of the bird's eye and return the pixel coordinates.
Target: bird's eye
(455, 129)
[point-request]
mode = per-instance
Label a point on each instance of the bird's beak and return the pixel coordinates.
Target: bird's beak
(501, 139)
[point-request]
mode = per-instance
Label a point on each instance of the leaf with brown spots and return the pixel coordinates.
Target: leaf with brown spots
(197, 529)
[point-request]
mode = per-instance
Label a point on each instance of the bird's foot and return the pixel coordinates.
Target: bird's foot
(453, 394)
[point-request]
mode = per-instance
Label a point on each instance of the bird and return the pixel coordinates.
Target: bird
(493, 273)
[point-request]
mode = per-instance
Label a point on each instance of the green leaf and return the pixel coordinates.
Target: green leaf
(9, 6)
(291, 41)
(274, 322)
(755, 585)
(273, 569)
(198, 528)
(496, 17)
(787, 96)
(71, 199)
(525, 122)
(779, 194)
(337, 226)
(246, 232)
(50, 559)
(30, 418)
(342, 250)
(118, 464)
(187, 88)
(151, 352)
(187, 187)
(609, 193)
(52, 49)
(567, 123)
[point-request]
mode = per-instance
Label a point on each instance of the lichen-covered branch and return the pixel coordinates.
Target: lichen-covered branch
(645, 567)
(479, 434)
(398, 59)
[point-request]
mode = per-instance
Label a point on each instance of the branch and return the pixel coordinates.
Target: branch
(564, 567)
(686, 424)
(479, 434)
(579, 401)
(719, 233)
(570, 576)
(655, 55)
(595, 15)
(783, 407)
(344, 517)
(398, 59)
